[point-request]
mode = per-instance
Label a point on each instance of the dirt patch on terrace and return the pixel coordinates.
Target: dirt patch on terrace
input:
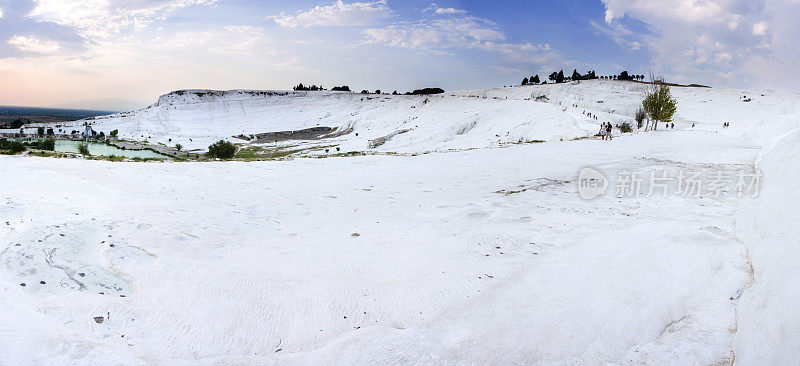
(314, 133)
(540, 185)
(382, 140)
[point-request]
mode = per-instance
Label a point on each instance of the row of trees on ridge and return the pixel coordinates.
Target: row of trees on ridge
(559, 77)
(345, 88)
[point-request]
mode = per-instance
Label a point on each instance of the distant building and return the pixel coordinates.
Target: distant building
(88, 132)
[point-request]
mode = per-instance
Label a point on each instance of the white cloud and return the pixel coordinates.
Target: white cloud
(1, 12)
(698, 40)
(733, 24)
(337, 14)
(235, 40)
(437, 35)
(102, 18)
(725, 75)
(443, 11)
(723, 57)
(447, 36)
(621, 35)
(760, 29)
(609, 16)
(690, 11)
(33, 44)
(781, 51)
(450, 11)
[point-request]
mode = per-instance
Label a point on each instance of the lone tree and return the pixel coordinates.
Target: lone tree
(658, 101)
(525, 81)
(560, 77)
(535, 79)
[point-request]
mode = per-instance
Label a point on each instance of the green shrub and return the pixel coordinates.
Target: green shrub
(14, 147)
(178, 147)
(640, 116)
(114, 133)
(40, 131)
(222, 150)
(47, 144)
(83, 148)
(625, 127)
(427, 91)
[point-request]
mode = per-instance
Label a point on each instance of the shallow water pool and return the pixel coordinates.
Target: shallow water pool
(102, 149)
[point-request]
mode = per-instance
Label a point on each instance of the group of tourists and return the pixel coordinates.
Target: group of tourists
(605, 130)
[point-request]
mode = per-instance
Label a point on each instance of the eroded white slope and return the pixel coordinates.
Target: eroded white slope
(768, 321)
(256, 263)
(196, 118)
(457, 120)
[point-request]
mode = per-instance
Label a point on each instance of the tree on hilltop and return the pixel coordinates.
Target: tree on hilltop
(576, 75)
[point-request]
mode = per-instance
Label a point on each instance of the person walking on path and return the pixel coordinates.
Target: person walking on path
(608, 130)
(603, 131)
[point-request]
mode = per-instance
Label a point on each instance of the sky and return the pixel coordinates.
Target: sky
(123, 54)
